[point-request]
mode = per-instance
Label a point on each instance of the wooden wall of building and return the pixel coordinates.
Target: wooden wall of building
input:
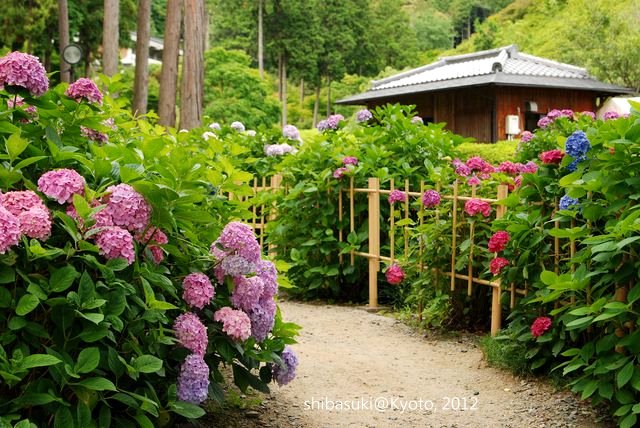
(480, 112)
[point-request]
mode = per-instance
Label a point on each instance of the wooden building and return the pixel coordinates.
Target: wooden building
(490, 95)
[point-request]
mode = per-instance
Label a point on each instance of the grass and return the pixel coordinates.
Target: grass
(505, 354)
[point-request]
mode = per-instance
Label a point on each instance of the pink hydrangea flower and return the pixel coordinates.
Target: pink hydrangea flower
(476, 163)
(24, 70)
(9, 230)
(526, 137)
(235, 323)
(247, 292)
(115, 242)
(477, 206)
(431, 198)
(93, 135)
(267, 272)
(238, 238)
(197, 290)
(497, 265)
(152, 238)
(35, 223)
(394, 274)
(590, 114)
(499, 241)
(611, 115)
(508, 167)
(191, 333)
(61, 184)
(397, 196)
(552, 157)
(540, 326)
(84, 88)
(17, 202)
(463, 170)
(127, 207)
(339, 172)
(349, 160)
(528, 168)
(473, 181)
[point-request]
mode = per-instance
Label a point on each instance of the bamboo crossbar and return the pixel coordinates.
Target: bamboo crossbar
(473, 279)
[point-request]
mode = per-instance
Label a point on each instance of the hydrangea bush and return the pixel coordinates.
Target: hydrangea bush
(110, 302)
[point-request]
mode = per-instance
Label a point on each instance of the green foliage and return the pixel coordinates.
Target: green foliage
(235, 91)
(493, 153)
(505, 353)
(86, 340)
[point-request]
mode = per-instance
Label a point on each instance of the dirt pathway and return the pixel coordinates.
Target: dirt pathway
(366, 370)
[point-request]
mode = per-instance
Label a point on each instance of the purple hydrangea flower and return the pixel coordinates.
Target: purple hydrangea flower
(610, 115)
(322, 126)
(291, 132)
(215, 126)
(191, 333)
(262, 316)
(526, 137)
(285, 373)
(544, 122)
(238, 238)
(590, 114)
(473, 181)
(193, 380)
(235, 265)
(238, 126)
(431, 198)
(267, 272)
(397, 196)
(339, 172)
(554, 114)
(349, 160)
(93, 135)
(24, 70)
(278, 149)
(247, 292)
(363, 115)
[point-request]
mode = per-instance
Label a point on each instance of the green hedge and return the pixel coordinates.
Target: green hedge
(492, 153)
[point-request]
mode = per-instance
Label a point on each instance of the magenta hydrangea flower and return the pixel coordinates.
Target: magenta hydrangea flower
(611, 115)
(526, 137)
(544, 122)
(115, 242)
(431, 198)
(24, 70)
(477, 206)
(339, 172)
(84, 88)
(529, 168)
(238, 238)
(152, 238)
(247, 292)
(394, 274)
(127, 207)
(473, 181)
(197, 290)
(463, 170)
(540, 326)
(9, 230)
(17, 202)
(508, 167)
(267, 272)
(285, 373)
(590, 114)
(191, 333)
(193, 380)
(61, 184)
(262, 316)
(235, 323)
(349, 160)
(397, 196)
(476, 163)
(35, 223)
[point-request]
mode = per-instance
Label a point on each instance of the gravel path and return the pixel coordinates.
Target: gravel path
(359, 369)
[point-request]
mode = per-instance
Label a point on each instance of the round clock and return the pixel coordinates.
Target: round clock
(72, 53)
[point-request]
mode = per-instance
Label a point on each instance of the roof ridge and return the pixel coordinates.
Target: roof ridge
(511, 49)
(407, 73)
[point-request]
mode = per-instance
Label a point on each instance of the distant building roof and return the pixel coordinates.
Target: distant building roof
(502, 66)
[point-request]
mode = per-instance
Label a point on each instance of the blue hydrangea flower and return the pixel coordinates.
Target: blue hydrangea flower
(567, 203)
(577, 144)
(285, 373)
(193, 380)
(574, 164)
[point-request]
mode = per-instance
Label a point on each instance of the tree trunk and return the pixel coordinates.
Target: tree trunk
(110, 39)
(316, 105)
(191, 93)
(280, 77)
(87, 64)
(328, 97)
(260, 40)
(301, 92)
(284, 90)
(141, 82)
(169, 74)
(63, 31)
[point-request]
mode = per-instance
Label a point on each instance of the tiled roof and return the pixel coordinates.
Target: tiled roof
(504, 66)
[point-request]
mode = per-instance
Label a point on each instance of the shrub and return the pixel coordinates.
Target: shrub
(492, 153)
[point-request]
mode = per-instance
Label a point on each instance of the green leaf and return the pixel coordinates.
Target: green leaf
(38, 360)
(63, 278)
(63, 418)
(187, 410)
(5, 298)
(97, 384)
(81, 205)
(88, 360)
(143, 421)
(161, 305)
(86, 288)
(629, 421)
(7, 275)
(28, 161)
(26, 304)
(15, 145)
(94, 317)
(624, 375)
(147, 364)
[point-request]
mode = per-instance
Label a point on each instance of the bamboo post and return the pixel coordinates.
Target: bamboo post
(262, 208)
(572, 249)
(437, 271)
(496, 308)
(276, 184)
(392, 227)
(374, 241)
(421, 222)
(454, 237)
(472, 230)
(351, 215)
(556, 242)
